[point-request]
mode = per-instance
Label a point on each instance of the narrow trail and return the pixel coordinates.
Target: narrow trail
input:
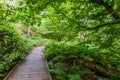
(33, 67)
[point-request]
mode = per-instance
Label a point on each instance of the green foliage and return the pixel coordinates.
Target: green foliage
(13, 47)
(74, 77)
(71, 55)
(9, 39)
(87, 31)
(64, 57)
(54, 48)
(8, 61)
(26, 44)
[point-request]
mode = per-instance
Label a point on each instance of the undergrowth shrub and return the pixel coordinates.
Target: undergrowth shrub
(75, 60)
(69, 48)
(9, 39)
(13, 47)
(8, 61)
(64, 59)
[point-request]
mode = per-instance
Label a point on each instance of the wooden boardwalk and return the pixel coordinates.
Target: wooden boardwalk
(34, 67)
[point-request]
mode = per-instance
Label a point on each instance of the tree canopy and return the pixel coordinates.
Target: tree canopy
(79, 31)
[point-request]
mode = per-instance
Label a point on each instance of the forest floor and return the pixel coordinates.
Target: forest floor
(33, 67)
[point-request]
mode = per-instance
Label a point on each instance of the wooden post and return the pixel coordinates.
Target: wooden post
(28, 31)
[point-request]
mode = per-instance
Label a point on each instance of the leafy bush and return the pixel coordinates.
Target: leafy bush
(26, 44)
(75, 60)
(8, 61)
(9, 39)
(13, 47)
(64, 59)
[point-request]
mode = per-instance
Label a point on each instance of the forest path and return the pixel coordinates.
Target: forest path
(33, 67)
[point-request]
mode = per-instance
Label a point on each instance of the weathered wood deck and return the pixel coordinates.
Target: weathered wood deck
(34, 67)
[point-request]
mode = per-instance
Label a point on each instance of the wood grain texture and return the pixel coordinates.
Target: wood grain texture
(33, 67)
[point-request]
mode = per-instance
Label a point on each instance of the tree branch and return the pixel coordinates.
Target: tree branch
(103, 25)
(78, 23)
(108, 7)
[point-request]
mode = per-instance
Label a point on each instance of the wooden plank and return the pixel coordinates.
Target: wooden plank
(33, 67)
